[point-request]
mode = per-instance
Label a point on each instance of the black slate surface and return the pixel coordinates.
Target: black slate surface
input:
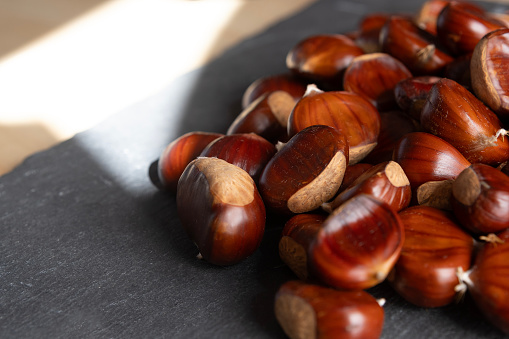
(89, 248)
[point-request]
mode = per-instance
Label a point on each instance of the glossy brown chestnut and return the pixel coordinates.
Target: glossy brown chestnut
(248, 151)
(368, 37)
(489, 69)
(357, 245)
(488, 280)
(480, 199)
(457, 116)
(410, 94)
(352, 172)
(323, 58)
(267, 117)
(298, 233)
(425, 157)
(316, 312)
(460, 26)
(351, 114)
(178, 154)
(280, 82)
(415, 47)
(383, 71)
(306, 171)
(221, 210)
(435, 246)
(427, 15)
(386, 181)
(393, 126)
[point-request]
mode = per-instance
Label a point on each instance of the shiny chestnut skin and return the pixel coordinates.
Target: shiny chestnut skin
(248, 151)
(385, 181)
(306, 171)
(358, 244)
(221, 210)
(411, 94)
(435, 246)
(489, 69)
(322, 58)
(351, 114)
(368, 37)
(480, 199)
(488, 280)
(177, 155)
(267, 116)
(383, 71)
(298, 233)
(312, 311)
(425, 157)
(460, 26)
(427, 15)
(352, 172)
(457, 116)
(415, 47)
(285, 82)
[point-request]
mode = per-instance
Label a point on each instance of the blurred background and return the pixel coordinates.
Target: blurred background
(65, 66)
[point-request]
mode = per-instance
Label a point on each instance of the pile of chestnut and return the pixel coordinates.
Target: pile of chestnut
(384, 150)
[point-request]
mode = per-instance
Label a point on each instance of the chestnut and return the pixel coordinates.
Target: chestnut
(221, 210)
(415, 47)
(368, 37)
(434, 247)
(312, 311)
(358, 244)
(410, 94)
(425, 157)
(383, 71)
(436, 194)
(386, 181)
(285, 82)
(306, 171)
(489, 70)
(298, 233)
(267, 117)
(177, 155)
(427, 15)
(248, 151)
(323, 58)
(457, 116)
(351, 114)
(480, 199)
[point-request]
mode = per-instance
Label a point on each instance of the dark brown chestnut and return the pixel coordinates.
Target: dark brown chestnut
(285, 82)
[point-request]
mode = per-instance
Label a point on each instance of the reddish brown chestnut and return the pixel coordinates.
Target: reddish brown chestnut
(488, 280)
(352, 172)
(297, 235)
(489, 69)
(307, 311)
(386, 181)
(178, 154)
(384, 72)
(457, 116)
(267, 84)
(267, 117)
(368, 37)
(351, 114)
(415, 47)
(435, 246)
(460, 26)
(427, 16)
(357, 245)
(306, 171)
(248, 151)
(480, 199)
(323, 58)
(221, 210)
(411, 94)
(425, 157)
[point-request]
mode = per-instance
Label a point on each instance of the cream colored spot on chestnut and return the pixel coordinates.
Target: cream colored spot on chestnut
(281, 104)
(396, 175)
(296, 317)
(321, 189)
(294, 255)
(228, 183)
(312, 89)
(356, 154)
(467, 187)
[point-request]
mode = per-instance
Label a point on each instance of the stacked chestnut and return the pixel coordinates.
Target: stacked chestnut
(384, 151)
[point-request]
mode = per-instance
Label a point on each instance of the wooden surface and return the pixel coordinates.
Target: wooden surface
(65, 66)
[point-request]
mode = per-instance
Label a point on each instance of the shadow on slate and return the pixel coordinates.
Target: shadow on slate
(89, 248)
